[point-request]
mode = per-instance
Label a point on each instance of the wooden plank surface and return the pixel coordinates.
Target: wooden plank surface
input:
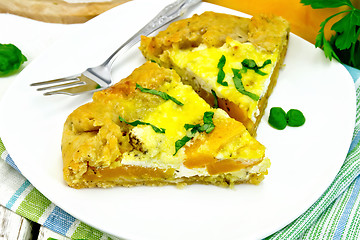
(57, 11)
(13, 226)
(45, 234)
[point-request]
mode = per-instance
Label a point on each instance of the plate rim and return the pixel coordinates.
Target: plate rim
(20, 75)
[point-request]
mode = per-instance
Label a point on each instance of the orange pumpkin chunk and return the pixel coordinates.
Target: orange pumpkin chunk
(227, 165)
(204, 150)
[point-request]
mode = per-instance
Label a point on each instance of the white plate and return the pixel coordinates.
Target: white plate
(304, 160)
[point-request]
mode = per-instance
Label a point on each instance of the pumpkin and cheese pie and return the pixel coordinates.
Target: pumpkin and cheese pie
(230, 60)
(151, 129)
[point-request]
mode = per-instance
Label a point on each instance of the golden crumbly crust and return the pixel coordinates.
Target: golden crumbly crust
(222, 180)
(267, 33)
(212, 29)
(208, 28)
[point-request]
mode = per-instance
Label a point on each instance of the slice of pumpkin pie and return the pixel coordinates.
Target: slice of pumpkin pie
(151, 129)
(228, 60)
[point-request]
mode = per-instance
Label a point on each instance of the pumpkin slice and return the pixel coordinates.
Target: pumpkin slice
(133, 134)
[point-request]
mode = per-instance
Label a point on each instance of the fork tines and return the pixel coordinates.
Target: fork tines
(60, 85)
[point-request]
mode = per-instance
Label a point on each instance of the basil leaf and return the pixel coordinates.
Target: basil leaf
(208, 116)
(189, 126)
(240, 87)
(295, 118)
(221, 73)
(251, 64)
(207, 127)
(267, 62)
(11, 58)
(138, 122)
(208, 122)
(163, 95)
(277, 118)
(221, 77)
(180, 143)
(260, 72)
(194, 128)
(221, 62)
(216, 101)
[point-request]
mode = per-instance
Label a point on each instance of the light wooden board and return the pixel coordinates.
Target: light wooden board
(45, 234)
(13, 226)
(57, 11)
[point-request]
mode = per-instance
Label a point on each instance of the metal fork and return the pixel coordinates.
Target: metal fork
(99, 77)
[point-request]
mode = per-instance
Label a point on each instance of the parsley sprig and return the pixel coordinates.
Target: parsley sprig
(344, 46)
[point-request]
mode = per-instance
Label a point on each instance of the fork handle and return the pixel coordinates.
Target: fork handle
(166, 15)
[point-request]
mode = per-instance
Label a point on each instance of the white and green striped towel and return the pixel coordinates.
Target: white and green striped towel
(336, 214)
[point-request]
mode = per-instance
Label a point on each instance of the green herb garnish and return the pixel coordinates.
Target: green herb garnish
(180, 143)
(344, 46)
(193, 128)
(207, 127)
(216, 101)
(153, 61)
(163, 95)
(138, 122)
(11, 59)
(221, 73)
(295, 118)
(239, 85)
(279, 119)
(251, 64)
